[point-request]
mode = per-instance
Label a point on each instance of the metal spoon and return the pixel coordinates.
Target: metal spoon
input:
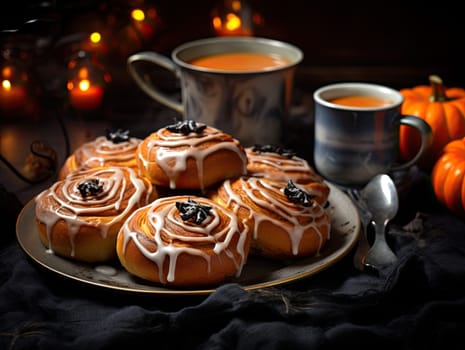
(365, 219)
(381, 197)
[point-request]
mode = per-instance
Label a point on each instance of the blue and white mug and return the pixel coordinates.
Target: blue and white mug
(251, 105)
(352, 144)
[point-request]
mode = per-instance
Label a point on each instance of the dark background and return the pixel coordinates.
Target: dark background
(398, 43)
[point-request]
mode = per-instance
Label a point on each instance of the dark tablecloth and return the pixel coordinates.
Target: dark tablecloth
(417, 303)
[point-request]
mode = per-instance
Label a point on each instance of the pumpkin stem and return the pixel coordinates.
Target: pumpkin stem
(438, 91)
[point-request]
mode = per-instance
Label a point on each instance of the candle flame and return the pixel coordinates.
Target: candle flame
(233, 22)
(6, 84)
(95, 37)
(84, 85)
(138, 15)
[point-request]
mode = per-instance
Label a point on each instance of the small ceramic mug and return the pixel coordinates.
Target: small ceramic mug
(356, 128)
(247, 93)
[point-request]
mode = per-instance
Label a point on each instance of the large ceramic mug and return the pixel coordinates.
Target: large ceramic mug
(356, 128)
(243, 87)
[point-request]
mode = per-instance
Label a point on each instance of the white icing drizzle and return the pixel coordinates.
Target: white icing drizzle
(155, 219)
(291, 216)
(102, 152)
(277, 167)
(162, 150)
(280, 168)
(64, 201)
(106, 270)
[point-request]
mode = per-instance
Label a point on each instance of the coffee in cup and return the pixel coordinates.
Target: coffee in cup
(360, 101)
(240, 61)
(356, 132)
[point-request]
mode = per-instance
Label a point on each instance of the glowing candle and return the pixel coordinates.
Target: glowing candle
(95, 43)
(232, 18)
(145, 22)
(12, 97)
(84, 95)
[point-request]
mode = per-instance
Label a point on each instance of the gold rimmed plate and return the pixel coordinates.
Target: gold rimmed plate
(257, 273)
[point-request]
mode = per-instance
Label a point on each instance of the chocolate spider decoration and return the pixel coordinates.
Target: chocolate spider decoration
(297, 195)
(186, 127)
(193, 211)
(90, 188)
(285, 152)
(118, 136)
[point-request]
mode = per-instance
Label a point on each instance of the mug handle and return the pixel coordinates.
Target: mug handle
(152, 91)
(426, 138)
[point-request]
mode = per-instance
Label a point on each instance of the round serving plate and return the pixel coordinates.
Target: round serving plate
(257, 273)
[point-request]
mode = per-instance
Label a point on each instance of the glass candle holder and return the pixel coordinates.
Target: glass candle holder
(234, 18)
(87, 82)
(19, 90)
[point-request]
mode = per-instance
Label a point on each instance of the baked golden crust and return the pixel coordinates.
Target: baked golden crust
(101, 152)
(285, 166)
(158, 245)
(79, 217)
(196, 160)
(280, 227)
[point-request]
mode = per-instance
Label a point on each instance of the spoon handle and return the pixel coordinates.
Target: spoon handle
(380, 254)
(365, 219)
(362, 249)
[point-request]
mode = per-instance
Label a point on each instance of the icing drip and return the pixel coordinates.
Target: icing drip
(279, 167)
(161, 222)
(163, 151)
(63, 201)
(103, 151)
(293, 218)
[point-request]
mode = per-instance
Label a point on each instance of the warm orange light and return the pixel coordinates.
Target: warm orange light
(232, 17)
(217, 23)
(6, 84)
(233, 22)
(138, 15)
(7, 72)
(95, 37)
(83, 73)
(84, 85)
(236, 5)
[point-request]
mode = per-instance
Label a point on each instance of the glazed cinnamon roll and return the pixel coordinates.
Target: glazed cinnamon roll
(117, 148)
(281, 164)
(79, 217)
(183, 241)
(189, 155)
(285, 221)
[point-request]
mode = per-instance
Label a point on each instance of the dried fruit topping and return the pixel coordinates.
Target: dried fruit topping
(297, 195)
(118, 136)
(90, 188)
(191, 210)
(185, 127)
(285, 152)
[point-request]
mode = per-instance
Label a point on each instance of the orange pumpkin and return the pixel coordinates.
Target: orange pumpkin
(448, 177)
(442, 108)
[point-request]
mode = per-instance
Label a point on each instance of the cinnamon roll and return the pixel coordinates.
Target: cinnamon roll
(189, 155)
(183, 241)
(117, 148)
(285, 221)
(281, 164)
(79, 217)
